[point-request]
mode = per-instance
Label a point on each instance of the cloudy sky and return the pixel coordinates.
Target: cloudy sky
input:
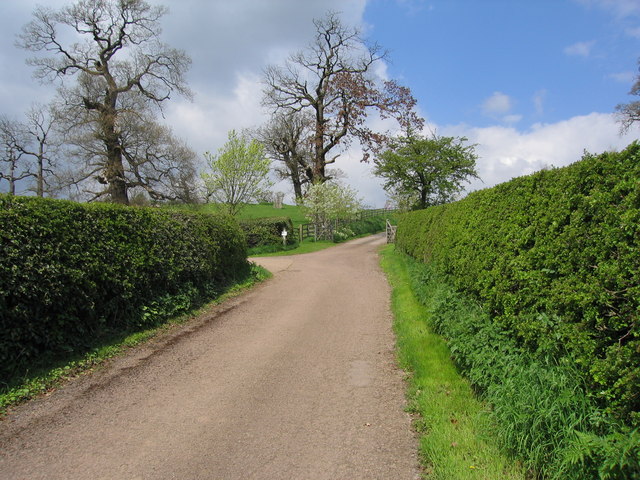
(533, 83)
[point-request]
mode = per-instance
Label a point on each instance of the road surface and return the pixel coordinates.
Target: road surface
(295, 379)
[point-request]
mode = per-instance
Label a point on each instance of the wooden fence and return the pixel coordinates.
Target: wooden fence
(310, 230)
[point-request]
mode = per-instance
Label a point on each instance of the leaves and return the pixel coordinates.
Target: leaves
(238, 174)
(429, 171)
(70, 271)
(553, 257)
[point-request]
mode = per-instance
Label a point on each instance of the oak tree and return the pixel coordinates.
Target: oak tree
(287, 141)
(119, 66)
(333, 79)
(14, 165)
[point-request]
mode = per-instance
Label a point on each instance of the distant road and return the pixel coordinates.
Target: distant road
(293, 380)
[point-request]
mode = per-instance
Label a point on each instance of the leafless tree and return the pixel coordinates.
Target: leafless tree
(629, 113)
(158, 165)
(14, 166)
(287, 139)
(40, 144)
(333, 80)
(118, 63)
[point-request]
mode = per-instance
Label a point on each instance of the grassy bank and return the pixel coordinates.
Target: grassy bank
(456, 434)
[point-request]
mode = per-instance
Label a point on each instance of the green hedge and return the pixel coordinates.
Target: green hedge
(267, 231)
(543, 413)
(70, 272)
(554, 258)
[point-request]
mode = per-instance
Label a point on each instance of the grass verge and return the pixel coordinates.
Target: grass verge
(456, 435)
(51, 374)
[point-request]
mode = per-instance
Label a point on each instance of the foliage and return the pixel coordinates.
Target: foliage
(327, 202)
(49, 374)
(426, 171)
(70, 272)
(542, 411)
(238, 174)
(456, 439)
(359, 228)
(267, 231)
(554, 258)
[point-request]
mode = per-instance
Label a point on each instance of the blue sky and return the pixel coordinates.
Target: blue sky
(532, 82)
(514, 61)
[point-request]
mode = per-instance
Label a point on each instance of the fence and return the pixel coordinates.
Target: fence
(308, 230)
(391, 232)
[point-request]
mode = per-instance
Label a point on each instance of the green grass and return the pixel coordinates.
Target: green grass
(262, 210)
(50, 374)
(306, 246)
(456, 440)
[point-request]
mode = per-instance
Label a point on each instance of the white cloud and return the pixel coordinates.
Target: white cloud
(633, 32)
(497, 104)
(538, 101)
(623, 77)
(620, 8)
(580, 49)
(506, 152)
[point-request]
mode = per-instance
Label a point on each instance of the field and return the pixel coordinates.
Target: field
(261, 210)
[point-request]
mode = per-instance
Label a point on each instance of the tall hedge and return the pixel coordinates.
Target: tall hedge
(70, 272)
(554, 257)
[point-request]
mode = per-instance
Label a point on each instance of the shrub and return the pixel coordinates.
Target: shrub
(542, 409)
(71, 272)
(553, 258)
(267, 231)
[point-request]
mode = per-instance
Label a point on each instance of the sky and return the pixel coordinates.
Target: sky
(532, 83)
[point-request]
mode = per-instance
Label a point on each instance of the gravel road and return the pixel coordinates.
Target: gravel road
(295, 379)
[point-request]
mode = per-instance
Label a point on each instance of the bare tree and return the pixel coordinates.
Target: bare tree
(38, 144)
(13, 166)
(287, 139)
(629, 113)
(333, 80)
(158, 165)
(118, 64)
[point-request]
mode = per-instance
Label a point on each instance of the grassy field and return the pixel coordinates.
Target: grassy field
(455, 433)
(262, 210)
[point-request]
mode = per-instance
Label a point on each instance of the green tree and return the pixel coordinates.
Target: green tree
(327, 202)
(426, 171)
(239, 173)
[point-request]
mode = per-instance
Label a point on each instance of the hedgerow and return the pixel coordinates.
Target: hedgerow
(71, 272)
(553, 260)
(544, 414)
(265, 231)
(359, 227)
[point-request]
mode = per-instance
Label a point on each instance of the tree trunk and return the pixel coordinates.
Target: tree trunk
(40, 176)
(116, 178)
(319, 158)
(12, 178)
(114, 171)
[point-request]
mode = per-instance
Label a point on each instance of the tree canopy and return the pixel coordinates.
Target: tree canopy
(238, 174)
(425, 171)
(333, 80)
(121, 71)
